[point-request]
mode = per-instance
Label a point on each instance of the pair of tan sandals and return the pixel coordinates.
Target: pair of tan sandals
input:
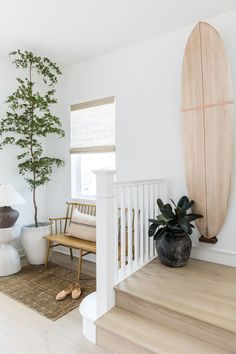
(73, 289)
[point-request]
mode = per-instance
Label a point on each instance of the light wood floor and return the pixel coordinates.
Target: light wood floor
(23, 331)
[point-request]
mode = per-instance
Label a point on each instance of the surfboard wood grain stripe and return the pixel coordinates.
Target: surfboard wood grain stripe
(207, 106)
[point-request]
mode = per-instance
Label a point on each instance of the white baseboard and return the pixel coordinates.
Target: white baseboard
(202, 253)
(60, 249)
(214, 255)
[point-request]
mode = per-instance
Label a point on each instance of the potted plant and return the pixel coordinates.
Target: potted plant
(171, 230)
(28, 121)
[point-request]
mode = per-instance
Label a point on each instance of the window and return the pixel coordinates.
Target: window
(92, 144)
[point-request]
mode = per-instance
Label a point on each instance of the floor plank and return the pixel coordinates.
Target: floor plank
(23, 331)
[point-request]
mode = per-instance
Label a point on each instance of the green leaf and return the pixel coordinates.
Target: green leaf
(191, 203)
(192, 217)
(183, 223)
(174, 227)
(168, 206)
(157, 222)
(152, 230)
(180, 212)
(160, 203)
(183, 203)
(160, 232)
(161, 218)
(167, 213)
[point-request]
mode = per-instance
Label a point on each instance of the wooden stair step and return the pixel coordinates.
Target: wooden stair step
(192, 327)
(120, 331)
(202, 291)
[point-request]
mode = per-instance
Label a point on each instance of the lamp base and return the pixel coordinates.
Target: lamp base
(9, 260)
(8, 217)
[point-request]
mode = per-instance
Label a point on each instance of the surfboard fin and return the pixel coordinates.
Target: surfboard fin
(212, 240)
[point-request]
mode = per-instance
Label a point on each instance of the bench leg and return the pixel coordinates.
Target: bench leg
(47, 254)
(80, 262)
(71, 254)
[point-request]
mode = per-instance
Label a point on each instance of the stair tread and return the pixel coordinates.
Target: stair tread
(152, 336)
(201, 290)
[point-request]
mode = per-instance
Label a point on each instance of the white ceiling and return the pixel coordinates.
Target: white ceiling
(76, 30)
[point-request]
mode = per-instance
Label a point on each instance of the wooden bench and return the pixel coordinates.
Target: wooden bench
(59, 227)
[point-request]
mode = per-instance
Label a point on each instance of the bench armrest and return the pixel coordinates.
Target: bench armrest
(54, 219)
(58, 225)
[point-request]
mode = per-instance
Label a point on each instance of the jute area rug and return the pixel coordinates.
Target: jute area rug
(36, 288)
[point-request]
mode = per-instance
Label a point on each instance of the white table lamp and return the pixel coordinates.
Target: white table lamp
(9, 197)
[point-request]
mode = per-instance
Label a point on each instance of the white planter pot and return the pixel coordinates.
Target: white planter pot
(35, 246)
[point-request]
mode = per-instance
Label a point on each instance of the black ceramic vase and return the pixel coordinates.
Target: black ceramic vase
(173, 250)
(8, 217)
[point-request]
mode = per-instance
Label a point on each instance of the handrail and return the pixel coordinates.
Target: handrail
(140, 182)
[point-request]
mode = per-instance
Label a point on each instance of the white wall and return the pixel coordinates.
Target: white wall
(8, 162)
(146, 80)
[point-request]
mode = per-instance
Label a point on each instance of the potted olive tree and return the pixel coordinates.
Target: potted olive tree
(27, 122)
(171, 230)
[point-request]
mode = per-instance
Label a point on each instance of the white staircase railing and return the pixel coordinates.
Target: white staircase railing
(122, 242)
(135, 204)
(123, 245)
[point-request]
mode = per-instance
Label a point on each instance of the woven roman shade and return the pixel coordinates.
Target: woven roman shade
(93, 126)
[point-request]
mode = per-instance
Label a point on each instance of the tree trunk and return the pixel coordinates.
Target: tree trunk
(35, 208)
(32, 157)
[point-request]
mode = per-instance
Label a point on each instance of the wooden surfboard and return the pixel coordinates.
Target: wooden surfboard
(207, 124)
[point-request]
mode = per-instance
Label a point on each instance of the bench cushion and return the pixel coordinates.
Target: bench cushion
(82, 226)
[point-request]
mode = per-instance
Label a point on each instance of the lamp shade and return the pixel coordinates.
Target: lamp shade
(9, 196)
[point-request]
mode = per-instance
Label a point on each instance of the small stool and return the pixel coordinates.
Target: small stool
(9, 258)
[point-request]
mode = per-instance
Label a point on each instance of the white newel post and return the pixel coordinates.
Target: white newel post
(105, 240)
